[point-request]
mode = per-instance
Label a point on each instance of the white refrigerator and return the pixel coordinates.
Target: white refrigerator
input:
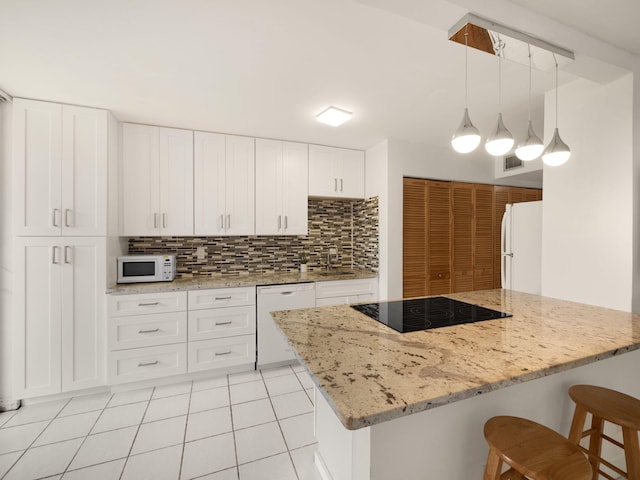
(521, 247)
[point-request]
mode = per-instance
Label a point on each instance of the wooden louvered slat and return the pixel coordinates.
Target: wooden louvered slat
(438, 249)
(414, 260)
(483, 241)
(462, 254)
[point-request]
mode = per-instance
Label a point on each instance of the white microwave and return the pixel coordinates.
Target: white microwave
(146, 268)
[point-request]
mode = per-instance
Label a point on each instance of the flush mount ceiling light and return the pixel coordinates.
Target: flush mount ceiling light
(501, 140)
(467, 137)
(334, 116)
(557, 152)
(532, 146)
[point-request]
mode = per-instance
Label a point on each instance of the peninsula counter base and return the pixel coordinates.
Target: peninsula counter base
(447, 442)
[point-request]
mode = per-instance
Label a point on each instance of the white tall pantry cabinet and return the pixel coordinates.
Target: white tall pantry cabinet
(60, 198)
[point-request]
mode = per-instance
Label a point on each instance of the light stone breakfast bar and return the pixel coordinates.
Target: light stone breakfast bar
(413, 405)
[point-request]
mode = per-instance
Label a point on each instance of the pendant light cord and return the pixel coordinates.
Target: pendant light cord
(529, 114)
(499, 75)
(556, 61)
(466, 65)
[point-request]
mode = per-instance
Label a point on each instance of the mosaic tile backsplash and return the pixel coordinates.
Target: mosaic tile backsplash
(350, 226)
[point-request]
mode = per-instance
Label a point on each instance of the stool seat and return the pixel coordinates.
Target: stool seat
(533, 450)
(604, 404)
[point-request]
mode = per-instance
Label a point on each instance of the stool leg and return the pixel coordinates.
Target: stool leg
(494, 465)
(595, 444)
(577, 425)
(631, 452)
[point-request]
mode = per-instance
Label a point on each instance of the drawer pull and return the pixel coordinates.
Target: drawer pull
(224, 298)
(148, 304)
(148, 364)
(224, 323)
(151, 330)
(223, 353)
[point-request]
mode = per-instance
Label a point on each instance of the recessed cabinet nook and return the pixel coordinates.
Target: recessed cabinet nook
(84, 183)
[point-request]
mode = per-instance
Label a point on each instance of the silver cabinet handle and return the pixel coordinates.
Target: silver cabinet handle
(148, 304)
(148, 364)
(224, 323)
(53, 255)
(221, 222)
(164, 220)
(67, 249)
(341, 184)
(54, 219)
(286, 222)
(155, 220)
(223, 353)
(286, 293)
(279, 221)
(228, 221)
(150, 330)
(66, 217)
(335, 184)
(223, 298)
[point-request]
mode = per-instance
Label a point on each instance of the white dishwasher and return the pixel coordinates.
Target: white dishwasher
(273, 347)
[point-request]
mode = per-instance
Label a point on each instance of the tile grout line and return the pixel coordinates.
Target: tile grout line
(37, 436)
(233, 428)
(184, 435)
(135, 437)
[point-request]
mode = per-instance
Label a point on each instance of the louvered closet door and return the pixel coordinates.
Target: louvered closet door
(483, 247)
(462, 258)
(438, 249)
(501, 198)
(414, 272)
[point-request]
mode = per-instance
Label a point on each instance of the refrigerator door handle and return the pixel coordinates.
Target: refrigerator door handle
(503, 247)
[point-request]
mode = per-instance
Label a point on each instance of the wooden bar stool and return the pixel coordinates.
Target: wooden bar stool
(532, 451)
(614, 407)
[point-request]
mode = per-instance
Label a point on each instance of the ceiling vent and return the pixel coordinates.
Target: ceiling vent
(511, 162)
(5, 97)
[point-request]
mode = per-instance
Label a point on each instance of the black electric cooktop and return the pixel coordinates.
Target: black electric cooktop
(426, 313)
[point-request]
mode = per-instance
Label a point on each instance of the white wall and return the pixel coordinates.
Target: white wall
(6, 260)
(636, 183)
(587, 246)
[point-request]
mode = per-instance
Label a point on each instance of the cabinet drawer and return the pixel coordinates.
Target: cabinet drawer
(147, 330)
(222, 352)
(146, 363)
(222, 322)
(346, 288)
(222, 297)
(143, 303)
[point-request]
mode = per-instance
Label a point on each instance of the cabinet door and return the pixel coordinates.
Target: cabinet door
(483, 241)
(176, 182)
(83, 312)
(414, 238)
(462, 230)
(350, 173)
(209, 183)
(37, 144)
(322, 179)
(438, 246)
(38, 313)
(240, 182)
(269, 187)
(84, 171)
(140, 180)
(295, 188)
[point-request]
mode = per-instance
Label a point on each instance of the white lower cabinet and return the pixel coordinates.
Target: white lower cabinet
(154, 335)
(59, 315)
(345, 292)
(222, 352)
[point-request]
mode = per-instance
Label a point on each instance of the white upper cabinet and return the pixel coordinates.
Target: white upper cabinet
(224, 186)
(336, 172)
(157, 181)
(60, 169)
(281, 189)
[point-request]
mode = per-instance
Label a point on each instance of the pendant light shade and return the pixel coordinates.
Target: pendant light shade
(467, 137)
(501, 141)
(557, 152)
(532, 146)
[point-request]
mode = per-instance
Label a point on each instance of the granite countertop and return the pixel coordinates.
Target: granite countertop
(241, 280)
(370, 373)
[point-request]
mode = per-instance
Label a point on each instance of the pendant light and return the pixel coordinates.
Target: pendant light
(557, 152)
(467, 137)
(532, 146)
(501, 141)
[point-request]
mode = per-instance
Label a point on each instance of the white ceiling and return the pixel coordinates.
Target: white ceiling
(264, 68)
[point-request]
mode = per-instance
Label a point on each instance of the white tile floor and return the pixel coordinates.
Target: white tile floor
(253, 425)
